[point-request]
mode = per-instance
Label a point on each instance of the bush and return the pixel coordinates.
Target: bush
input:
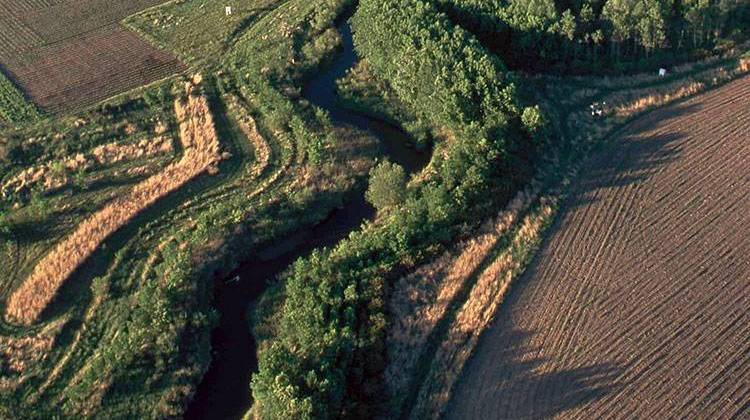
(533, 121)
(387, 186)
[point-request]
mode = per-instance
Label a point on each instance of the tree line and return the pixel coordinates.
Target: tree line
(587, 36)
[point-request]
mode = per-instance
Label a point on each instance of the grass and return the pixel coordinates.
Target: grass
(475, 314)
(137, 312)
(422, 299)
(14, 109)
(198, 31)
(202, 152)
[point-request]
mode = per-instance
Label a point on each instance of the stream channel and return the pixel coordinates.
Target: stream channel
(224, 392)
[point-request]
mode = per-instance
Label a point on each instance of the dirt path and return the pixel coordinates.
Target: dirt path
(637, 304)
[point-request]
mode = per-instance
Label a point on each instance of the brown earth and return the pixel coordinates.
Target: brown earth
(68, 54)
(637, 304)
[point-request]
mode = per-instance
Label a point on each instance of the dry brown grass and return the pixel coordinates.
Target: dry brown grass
(201, 154)
(18, 354)
(421, 299)
(636, 101)
(658, 99)
(630, 81)
(111, 153)
(476, 314)
(52, 175)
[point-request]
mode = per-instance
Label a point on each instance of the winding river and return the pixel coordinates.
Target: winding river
(224, 392)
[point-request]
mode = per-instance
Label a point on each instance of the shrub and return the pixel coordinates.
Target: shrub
(533, 121)
(387, 186)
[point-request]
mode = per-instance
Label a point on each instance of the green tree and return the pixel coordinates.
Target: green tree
(651, 25)
(387, 186)
(533, 121)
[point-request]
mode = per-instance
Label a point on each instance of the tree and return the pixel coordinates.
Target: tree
(387, 185)
(533, 121)
(651, 25)
(619, 14)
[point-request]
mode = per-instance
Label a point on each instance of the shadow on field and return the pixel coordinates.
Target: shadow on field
(512, 386)
(632, 159)
(506, 377)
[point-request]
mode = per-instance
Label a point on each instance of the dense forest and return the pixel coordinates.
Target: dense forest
(585, 36)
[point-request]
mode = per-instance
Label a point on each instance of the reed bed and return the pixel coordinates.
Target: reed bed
(477, 312)
(422, 298)
(201, 154)
(657, 99)
(56, 174)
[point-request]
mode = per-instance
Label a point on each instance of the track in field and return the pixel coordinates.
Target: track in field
(68, 54)
(637, 304)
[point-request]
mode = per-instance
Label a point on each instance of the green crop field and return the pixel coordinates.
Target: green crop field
(315, 209)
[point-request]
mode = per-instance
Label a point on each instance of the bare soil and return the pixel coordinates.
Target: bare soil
(66, 55)
(637, 304)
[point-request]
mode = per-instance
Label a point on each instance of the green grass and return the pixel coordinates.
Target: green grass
(198, 31)
(14, 108)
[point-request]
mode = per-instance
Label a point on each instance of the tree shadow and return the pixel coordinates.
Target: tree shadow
(513, 385)
(632, 159)
(507, 377)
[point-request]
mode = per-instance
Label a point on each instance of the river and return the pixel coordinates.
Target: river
(224, 392)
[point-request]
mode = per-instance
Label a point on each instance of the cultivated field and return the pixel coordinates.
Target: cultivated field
(69, 54)
(637, 303)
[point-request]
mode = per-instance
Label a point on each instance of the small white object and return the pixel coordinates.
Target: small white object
(228, 10)
(662, 72)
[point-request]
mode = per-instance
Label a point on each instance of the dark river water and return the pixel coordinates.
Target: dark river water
(224, 392)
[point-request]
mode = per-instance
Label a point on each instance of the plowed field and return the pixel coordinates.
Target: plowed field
(69, 54)
(637, 304)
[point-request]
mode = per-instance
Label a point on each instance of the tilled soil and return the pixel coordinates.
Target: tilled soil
(67, 55)
(637, 304)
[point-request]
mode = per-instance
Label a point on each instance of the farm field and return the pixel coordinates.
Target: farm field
(636, 305)
(285, 209)
(66, 55)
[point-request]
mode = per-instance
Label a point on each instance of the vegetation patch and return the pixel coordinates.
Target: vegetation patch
(14, 108)
(201, 154)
